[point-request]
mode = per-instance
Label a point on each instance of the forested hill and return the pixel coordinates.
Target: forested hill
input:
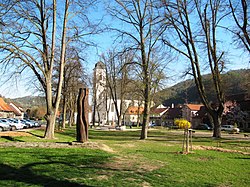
(29, 101)
(234, 82)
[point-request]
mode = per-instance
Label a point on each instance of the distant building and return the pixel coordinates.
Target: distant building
(5, 110)
(171, 114)
(18, 110)
(157, 113)
(103, 105)
(133, 115)
(190, 113)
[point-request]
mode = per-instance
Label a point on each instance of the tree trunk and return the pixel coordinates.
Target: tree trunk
(82, 116)
(217, 125)
(145, 122)
(51, 113)
(71, 118)
(93, 115)
(64, 113)
(119, 120)
(49, 132)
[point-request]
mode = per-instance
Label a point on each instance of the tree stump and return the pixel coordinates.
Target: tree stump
(82, 116)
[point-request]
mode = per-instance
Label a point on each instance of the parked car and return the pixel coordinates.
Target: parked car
(230, 128)
(203, 126)
(6, 122)
(30, 123)
(16, 124)
(4, 126)
(36, 124)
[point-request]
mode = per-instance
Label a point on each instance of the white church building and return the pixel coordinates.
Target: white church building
(103, 105)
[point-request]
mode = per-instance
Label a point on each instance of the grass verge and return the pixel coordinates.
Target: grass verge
(128, 162)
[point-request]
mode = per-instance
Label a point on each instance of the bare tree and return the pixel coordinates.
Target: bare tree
(195, 39)
(240, 14)
(73, 79)
(117, 79)
(33, 31)
(142, 31)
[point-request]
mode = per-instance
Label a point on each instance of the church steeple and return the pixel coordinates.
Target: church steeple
(99, 79)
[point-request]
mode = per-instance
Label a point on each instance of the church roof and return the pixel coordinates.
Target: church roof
(99, 65)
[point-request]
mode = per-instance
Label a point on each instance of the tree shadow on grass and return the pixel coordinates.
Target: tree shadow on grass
(25, 175)
(36, 135)
(10, 138)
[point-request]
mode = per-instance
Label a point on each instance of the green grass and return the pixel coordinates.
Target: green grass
(153, 162)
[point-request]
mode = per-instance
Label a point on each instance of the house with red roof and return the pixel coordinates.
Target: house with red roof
(190, 113)
(5, 110)
(133, 115)
(18, 110)
(156, 114)
(171, 114)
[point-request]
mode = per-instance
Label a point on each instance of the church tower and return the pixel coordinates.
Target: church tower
(99, 91)
(99, 81)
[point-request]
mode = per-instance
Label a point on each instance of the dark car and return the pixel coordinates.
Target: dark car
(203, 126)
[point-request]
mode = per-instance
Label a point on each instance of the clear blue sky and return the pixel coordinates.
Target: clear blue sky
(19, 88)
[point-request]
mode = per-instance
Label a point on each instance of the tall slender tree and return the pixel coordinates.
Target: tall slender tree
(32, 32)
(74, 78)
(142, 31)
(197, 42)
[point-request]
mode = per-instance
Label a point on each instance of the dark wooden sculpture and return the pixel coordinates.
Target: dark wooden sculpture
(82, 116)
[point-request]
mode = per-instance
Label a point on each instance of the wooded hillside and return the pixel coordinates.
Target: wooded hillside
(234, 82)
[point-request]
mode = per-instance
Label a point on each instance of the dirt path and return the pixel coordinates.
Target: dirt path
(14, 133)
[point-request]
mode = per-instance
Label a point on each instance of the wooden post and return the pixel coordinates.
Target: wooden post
(183, 145)
(82, 116)
(187, 141)
(191, 138)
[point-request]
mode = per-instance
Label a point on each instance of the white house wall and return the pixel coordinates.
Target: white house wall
(112, 116)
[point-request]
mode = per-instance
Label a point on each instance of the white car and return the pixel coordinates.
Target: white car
(16, 124)
(4, 126)
(230, 128)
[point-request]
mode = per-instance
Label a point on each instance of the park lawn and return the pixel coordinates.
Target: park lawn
(128, 162)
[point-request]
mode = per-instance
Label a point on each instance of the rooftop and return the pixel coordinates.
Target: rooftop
(4, 106)
(195, 107)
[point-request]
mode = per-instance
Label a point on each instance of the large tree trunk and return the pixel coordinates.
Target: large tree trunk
(82, 116)
(50, 115)
(217, 125)
(49, 132)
